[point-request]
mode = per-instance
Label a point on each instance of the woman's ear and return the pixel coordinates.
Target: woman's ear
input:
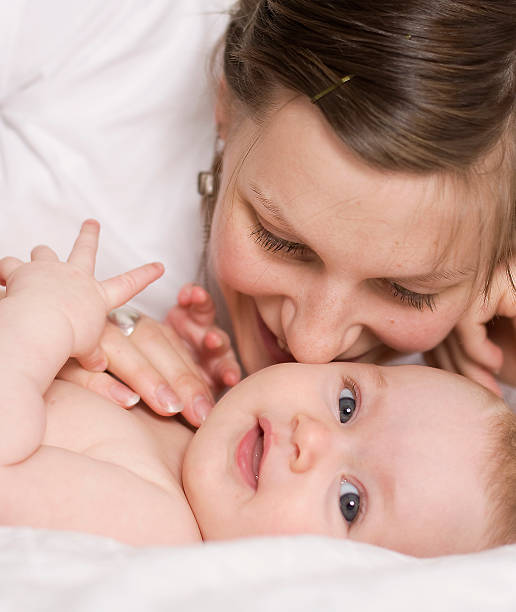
(222, 109)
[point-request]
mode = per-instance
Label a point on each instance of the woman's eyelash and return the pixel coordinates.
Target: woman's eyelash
(274, 244)
(416, 300)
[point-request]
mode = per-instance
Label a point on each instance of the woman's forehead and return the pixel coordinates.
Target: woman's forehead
(293, 166)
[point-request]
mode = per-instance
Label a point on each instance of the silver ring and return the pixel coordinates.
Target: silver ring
(125, 318)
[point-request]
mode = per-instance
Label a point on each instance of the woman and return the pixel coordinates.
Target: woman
(361, 198)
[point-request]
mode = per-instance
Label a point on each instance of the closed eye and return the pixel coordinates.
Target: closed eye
(420, 301)
(270, 242)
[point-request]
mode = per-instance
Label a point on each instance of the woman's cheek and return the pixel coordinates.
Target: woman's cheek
(231, 254)
(419, 332)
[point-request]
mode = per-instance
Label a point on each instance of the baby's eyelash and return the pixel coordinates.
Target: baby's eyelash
(416, 300)
(274, 244)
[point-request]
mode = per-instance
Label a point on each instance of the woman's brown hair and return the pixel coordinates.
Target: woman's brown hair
(433, 87)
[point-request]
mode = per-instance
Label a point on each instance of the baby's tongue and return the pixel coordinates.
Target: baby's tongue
(257, 455)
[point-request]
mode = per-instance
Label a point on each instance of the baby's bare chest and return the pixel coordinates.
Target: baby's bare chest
(83, 422)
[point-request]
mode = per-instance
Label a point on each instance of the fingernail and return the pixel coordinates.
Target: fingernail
(200, 294)
(214, 340)
(230, 378)
(202, 407)
(168, 400)
(123, 395)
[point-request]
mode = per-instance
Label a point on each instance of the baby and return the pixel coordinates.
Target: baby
(410, 458)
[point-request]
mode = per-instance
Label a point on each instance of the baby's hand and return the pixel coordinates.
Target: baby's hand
(194, 320)
(69, 290)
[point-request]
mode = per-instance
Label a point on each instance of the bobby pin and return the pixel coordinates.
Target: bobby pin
(331, 88)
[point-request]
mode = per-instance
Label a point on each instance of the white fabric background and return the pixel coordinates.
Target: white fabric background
(106, 111)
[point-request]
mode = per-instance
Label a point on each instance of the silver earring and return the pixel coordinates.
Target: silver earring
(206, 184)
(206, 180)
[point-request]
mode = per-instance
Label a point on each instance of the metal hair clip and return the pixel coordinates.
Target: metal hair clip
(331, 88)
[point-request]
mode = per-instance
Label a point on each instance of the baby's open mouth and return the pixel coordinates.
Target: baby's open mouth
(249, 455)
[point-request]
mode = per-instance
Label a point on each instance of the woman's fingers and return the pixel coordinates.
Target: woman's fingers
(193, 319)
(473, 338)
(467, 367)
(219, 359)
(158, 370)
(197, 301)
(449, 355)
(439, 357)
(101, 383)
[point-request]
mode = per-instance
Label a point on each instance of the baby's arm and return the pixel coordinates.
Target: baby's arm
(52, 311)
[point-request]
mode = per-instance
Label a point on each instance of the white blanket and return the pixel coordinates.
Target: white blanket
(43, 570)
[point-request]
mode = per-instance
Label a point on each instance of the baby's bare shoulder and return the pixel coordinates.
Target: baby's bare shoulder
(102, 470)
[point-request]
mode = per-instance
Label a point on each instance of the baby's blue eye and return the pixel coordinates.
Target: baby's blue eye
(347, 405)
(349, 501)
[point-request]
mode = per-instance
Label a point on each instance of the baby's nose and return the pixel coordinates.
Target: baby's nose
(310, 439)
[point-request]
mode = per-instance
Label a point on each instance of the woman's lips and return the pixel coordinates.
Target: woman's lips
(271, 343)
(252, 450)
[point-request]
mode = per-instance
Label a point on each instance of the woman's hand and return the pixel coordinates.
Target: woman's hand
(482, 346)
(170, 370)
(193, 318)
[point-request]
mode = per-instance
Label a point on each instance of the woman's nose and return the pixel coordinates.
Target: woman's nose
(311, 439)
(319, 330)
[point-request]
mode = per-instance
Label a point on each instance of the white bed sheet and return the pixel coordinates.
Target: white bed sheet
(43, 570)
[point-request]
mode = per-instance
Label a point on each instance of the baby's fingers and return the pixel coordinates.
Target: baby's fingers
(7, 266)
(42, 252)
(95, 361)
(120, 289)
(84, 250)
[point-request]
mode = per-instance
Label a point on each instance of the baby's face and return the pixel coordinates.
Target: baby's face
(392, 456)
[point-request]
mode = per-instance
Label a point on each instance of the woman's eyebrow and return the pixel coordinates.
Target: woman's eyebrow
(438, 275)
(272, 208)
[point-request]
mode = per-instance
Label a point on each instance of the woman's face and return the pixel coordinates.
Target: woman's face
(392, 456)
(322, 258)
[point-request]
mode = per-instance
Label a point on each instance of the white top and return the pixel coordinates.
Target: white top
(106, 111)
